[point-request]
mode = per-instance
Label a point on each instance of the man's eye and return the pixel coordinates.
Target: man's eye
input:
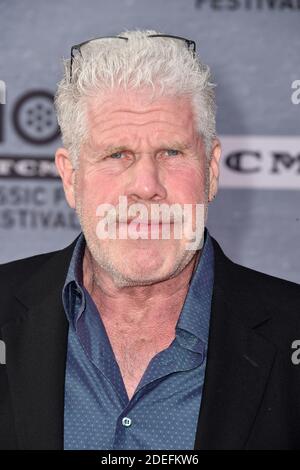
(116, 155)
(172, 152)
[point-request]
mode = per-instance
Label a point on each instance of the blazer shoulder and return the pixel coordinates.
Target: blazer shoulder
(259, 291)
(16, 272)
(253, 278)
(12, 271)
(31, 278)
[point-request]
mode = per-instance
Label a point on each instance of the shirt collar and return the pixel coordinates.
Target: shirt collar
(74, 282)
(193, 322)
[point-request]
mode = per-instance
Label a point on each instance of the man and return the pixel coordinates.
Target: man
(135, 337)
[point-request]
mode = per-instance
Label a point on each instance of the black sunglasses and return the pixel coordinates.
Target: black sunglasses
(191, 45)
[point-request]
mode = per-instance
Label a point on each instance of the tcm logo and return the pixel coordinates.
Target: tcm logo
(247, 161)
(261, 162)
(296, 354)
(2, 352)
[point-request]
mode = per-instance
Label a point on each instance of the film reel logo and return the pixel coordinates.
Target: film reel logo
(33, 116)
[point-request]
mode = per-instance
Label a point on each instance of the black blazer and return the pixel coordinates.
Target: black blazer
(251, 396)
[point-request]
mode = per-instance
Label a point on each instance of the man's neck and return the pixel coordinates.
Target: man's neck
(135, 306)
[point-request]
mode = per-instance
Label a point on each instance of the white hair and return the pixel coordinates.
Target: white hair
(165, 65)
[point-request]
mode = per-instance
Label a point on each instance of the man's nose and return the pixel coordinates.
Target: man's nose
(144, 180)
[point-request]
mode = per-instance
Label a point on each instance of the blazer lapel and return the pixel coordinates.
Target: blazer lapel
(36, 346)
(238, 365)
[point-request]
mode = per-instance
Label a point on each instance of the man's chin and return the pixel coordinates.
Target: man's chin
(146, 270)
(139, 278)
(142, 267)
(140, 262)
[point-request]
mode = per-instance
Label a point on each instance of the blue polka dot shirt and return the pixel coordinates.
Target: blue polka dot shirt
(163, 412)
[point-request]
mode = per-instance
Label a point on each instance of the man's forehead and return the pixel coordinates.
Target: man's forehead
(138, 103)
(112, 123)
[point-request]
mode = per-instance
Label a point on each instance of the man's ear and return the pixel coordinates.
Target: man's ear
(214, 169)
(67, 173)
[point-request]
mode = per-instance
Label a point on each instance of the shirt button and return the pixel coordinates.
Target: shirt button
(126, 422)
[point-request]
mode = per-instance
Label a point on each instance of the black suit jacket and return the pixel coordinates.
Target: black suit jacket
(251, 396)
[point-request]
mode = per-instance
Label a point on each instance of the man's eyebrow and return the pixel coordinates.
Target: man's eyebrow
(114, 149)
(176, 145)
(110, 149)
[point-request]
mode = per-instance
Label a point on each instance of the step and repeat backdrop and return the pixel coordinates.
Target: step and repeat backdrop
(252, 47)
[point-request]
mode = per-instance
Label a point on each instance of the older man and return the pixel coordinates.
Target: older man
(142, 334)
